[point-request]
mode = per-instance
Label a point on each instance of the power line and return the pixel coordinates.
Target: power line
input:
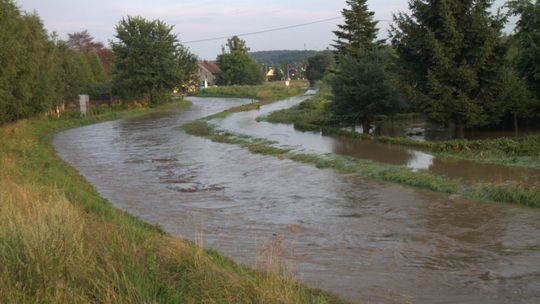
(265, 31)
(272, 30)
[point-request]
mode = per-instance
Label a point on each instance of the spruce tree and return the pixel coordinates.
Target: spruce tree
(358, 32)
(363, 86)
(528, 39)
(454, 58)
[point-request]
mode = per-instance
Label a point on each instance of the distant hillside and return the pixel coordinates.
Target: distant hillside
(281, 57)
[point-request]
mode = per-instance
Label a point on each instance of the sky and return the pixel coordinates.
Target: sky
(202, 19)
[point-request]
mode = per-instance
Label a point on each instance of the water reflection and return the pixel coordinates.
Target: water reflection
(420, 161)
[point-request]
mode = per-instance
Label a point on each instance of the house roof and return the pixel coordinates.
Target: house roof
(212, 67)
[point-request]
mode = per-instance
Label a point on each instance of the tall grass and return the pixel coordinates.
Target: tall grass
(60, 242)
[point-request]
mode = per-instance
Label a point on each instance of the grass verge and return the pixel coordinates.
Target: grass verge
(261, 95)
(61, 242)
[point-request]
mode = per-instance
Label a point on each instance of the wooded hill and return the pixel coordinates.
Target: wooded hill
(276, 58)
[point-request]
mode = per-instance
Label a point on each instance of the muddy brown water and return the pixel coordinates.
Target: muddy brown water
(315, 142)
(367, 241)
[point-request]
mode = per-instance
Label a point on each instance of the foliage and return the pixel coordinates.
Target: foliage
(454, 59)
(363, 87)
(279, 58)
(528, 36)
(310, 115)
(237, 67)
(83, 42)
(235, 44)
(149, 61)
(522, 146)
(318, 66)
(359, 31)
(37, 71)
(98, 73)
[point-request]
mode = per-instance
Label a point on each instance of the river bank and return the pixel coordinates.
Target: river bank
(514, 192)
(314, 115)
(365, 240)
(62, 241)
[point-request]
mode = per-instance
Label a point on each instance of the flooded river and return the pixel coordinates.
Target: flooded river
(314, 142)
(367, 241)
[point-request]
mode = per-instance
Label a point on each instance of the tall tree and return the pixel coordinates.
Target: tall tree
(235, 44)
(359, 31)
(237, 67)
(86, 75)
(83, 42)
(37, 71)
(149, 61)
(454, 58)
(98, 73)
(318, 66)
(528, 37)
(363, 87)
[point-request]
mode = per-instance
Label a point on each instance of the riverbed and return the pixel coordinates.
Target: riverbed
(370, 242)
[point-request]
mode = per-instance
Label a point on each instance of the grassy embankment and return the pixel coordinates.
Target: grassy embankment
(261, 94)
(310, 112)
(61, 242)
(314, 115)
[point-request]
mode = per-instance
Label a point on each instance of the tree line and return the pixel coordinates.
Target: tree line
(447, 59)
(39, 71)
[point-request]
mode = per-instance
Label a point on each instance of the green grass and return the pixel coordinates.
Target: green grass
(523, 151)
(267, 92)
(61, 242)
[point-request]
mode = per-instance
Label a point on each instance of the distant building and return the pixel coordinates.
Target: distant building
(208, 72)
(270, 74)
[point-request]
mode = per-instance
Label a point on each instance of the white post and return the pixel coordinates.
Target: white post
(84, 104)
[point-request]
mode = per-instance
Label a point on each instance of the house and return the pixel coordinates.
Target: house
(208, 72)
(270, 74)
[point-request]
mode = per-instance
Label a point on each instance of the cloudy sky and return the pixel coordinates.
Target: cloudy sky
(201, 19)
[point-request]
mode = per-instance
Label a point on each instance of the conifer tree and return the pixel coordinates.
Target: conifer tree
(454, 58)
(528, 39)
(358, 32)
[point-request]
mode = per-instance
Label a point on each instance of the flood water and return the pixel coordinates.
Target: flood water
(315, 142)
(366, 241)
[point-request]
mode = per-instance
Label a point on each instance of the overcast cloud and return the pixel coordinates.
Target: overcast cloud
(200, 19)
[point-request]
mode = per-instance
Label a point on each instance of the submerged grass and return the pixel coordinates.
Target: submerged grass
(312, 115)
(60, 242)
(504, 193)
(315, 115)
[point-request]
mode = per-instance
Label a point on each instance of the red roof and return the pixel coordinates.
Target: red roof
(212, 67)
